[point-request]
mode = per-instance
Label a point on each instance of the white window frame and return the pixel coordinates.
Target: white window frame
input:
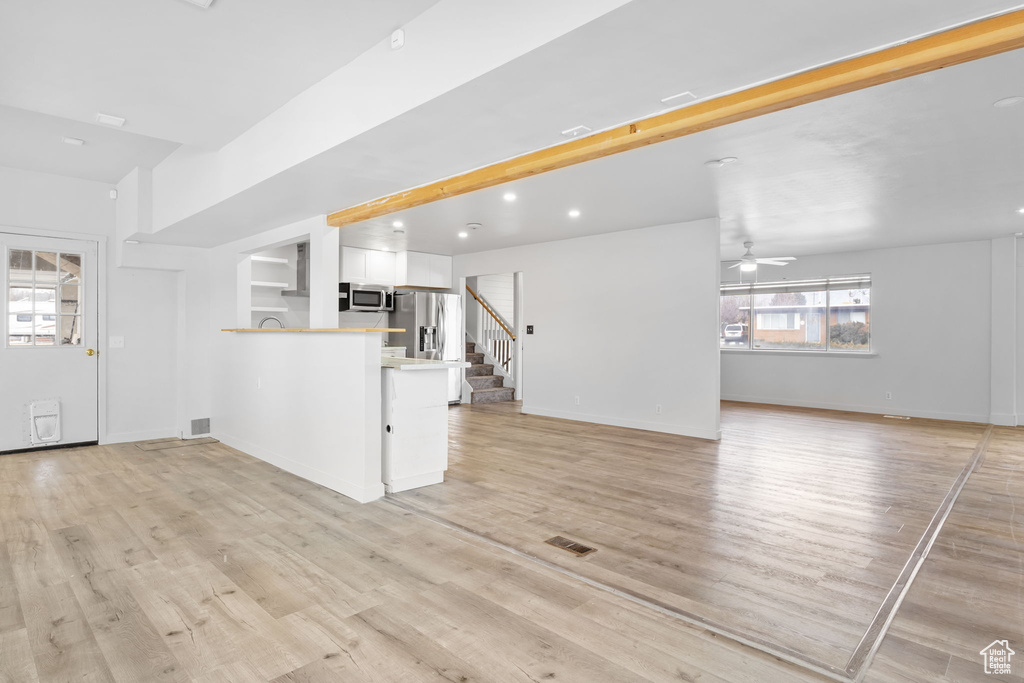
(828, 285)
(34, 284)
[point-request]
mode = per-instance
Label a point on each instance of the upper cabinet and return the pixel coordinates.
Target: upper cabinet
(367, 266)
(416, 269)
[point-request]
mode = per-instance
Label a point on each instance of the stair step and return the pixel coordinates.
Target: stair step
(486, 381)
(470, 347)
(476, 370)
(474, 358)
(493, 395)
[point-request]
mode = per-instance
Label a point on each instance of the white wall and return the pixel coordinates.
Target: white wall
(626, 321)
(308, 403)
(499, 293)
(930, 327)
(141, 305)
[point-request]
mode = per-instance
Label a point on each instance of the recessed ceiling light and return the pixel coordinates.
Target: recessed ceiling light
(463, 234)
(714, 163)
(110, 120)
(474, 226)
(72, 141)
(131, 241)
(510, 196)
(686, 93)
(1008, 101)
(574, 213)
(1021, 210)
(397, 224)
(205, 4)
(728, 160)
(576, 131)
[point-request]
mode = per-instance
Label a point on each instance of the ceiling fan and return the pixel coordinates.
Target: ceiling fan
(748, 262)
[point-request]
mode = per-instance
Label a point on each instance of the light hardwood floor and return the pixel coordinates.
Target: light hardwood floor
(789, 531)
(200, 563)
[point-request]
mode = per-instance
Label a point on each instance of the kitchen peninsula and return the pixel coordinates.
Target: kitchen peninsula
(310, 402)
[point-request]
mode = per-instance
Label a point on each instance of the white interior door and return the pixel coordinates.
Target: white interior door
(48, 363)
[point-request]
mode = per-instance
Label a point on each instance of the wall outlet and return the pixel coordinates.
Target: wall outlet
(115, 343)
(657, 409)
(888, 396)
(577, 400)
(259, 382)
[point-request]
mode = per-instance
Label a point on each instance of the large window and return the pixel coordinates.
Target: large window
(831, 314)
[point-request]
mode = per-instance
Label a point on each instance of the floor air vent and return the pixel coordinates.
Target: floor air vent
(572, 546)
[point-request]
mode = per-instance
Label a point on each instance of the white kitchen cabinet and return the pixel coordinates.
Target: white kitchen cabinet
(381, 265)
(440, 271)
(416, 269)
(355, 264)
(367, 266)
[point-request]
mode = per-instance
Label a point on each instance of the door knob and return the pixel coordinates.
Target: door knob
(91, 352)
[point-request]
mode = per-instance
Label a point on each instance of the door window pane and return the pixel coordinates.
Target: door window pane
(20, 266)
(46, 300)
(850, 324)
(46, 266)
(735, 321)
(70, 299)
(35, 316)
(70, 268)
(790, 320)
(46, 330)
(70, 330)
(19, 330)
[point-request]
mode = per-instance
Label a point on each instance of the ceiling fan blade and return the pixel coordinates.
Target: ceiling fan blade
(779, 258)
(737, 265)
(772, 262)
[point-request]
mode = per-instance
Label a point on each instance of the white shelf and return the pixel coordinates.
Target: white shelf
(278, 285)
(269, 309)
(270, 259)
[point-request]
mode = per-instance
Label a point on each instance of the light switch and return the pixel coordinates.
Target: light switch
(116, 343)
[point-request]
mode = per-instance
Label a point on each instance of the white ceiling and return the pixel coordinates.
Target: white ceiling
(924, 160)
(32, 142)
(611, 70)
(177, 73)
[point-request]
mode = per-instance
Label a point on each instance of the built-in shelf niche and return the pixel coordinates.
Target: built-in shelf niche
(273, 275)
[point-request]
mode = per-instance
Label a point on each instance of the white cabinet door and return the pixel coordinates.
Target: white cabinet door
(355, 264)
(47, 353)
(381, 267)
(417, 269)
(440, 271)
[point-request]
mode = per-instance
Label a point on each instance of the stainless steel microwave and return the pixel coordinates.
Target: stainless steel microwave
(358, 297)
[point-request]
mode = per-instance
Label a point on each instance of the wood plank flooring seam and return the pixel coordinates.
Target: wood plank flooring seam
(860, 661)
(781, 652)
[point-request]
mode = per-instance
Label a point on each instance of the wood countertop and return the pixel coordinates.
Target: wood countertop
(316, 329)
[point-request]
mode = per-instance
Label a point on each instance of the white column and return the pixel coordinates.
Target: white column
(1003, 404)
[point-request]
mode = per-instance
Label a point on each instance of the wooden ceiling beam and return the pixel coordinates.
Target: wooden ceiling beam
(956, 46)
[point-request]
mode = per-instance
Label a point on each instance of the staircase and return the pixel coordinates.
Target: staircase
(487, 387)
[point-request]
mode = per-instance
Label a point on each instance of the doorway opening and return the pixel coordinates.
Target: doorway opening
(494, 337)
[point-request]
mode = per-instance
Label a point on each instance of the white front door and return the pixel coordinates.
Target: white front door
(48, 364)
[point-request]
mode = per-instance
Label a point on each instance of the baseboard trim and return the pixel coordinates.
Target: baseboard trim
(873, 410)
(128, 437)
(362, 494)
(1003, 419)
(686, 430)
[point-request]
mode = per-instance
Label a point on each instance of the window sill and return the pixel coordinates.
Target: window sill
(817, 354)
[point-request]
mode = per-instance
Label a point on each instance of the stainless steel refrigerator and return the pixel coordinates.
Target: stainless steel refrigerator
(433, 330)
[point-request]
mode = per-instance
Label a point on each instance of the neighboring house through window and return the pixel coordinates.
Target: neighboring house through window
(828, 314)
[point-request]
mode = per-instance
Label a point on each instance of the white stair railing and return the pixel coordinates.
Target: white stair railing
(495, 335)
